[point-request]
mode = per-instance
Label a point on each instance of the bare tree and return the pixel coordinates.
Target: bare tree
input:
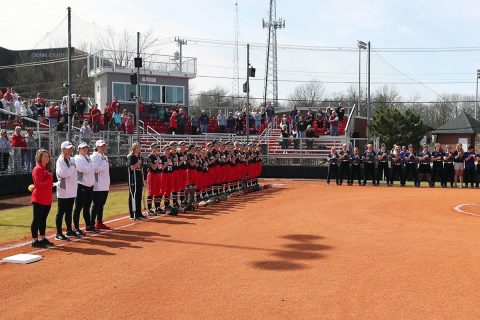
(308, 96)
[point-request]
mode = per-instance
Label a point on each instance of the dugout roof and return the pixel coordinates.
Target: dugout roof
(463, 123)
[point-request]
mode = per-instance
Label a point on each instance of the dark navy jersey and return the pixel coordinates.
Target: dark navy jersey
(448, 157)
(332, 158)
(396, 159)
(409, 157)
(368, 156)
(458, 156)
(356, 159)
(438, 154)
(469, 160)
(154, 160)
(344, 155)
(382, 156)
(426, 161)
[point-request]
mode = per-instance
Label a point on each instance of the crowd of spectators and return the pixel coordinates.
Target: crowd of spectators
(296, 126)
(22, 147)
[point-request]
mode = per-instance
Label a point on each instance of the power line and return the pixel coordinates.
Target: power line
(343, 82)
(41, 63)
(336, 48)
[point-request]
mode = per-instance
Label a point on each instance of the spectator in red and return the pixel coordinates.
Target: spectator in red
(8, 94)
(173, 122)
(1, 94)
(129, 125)
(125, 118)
(115, 105)
(95, 115)
(53, 114)
(19, 145)
(141, 109)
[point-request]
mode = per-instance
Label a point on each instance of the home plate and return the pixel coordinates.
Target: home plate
(22, 258)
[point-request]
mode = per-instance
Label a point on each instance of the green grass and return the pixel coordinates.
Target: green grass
(15, 223)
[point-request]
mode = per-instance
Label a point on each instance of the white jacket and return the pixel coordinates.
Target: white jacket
(67, 178)
(85, 170)
(102, 172)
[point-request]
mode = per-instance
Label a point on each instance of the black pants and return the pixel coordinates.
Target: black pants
(448, 173)
(397, 174)
(424, 172)
(332, 172)
(410, 172)
(469, 176)
(4, 161)
(39, 222)
(99, 200)
(65, 207)
(369, 173)
(437, 173)
(83, 202)
(355, 173)
(344, 170)
(194, 129)
(477, 175)
(137, 211)
(382, 171)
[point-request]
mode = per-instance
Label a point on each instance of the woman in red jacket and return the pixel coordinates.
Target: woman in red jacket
(173, 123)
(41, 197)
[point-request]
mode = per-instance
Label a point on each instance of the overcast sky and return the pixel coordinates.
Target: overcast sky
(386, 23)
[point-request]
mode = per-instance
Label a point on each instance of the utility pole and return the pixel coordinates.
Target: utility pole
(180, 43)
(476, 95)
(137, 104)
(247, 125)
(236, 73)
(368, 94)
(271, 73)
(361, 46)
(69, 76)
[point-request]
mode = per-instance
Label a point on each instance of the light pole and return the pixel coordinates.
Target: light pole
(361, 46)
(476, 94)
(368, 92)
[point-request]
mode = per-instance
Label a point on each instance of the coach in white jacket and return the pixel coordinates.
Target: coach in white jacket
(66, 172)
(85, 180)
(101, 185)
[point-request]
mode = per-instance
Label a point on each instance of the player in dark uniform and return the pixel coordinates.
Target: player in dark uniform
(182, 171)
(458, 165)
(382, 166)
(135, 181)
(424, 169)
(448, 170)
(167, 176)
(344, 168)
(477, 171)
(154, 180)
(175, 186)
(332, 159)
(469, 173)
(355, 170)
(437, 168)
(396, 162)
(410, 161)
(368, 159)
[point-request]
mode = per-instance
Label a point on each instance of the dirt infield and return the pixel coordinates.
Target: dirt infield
(301, 250)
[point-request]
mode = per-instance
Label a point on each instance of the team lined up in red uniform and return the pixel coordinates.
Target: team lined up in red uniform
(213, 170)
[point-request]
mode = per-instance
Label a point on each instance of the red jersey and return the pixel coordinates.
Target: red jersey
(95, 114)
(141, 108)
(115, 105)
(173, 121)
(43, 185)
(18, 141)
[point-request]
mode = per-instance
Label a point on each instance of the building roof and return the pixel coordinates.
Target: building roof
(463, 123)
